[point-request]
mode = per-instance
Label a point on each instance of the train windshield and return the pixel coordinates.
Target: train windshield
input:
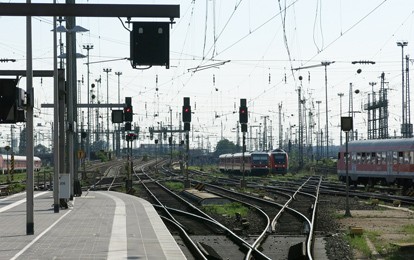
(279, 158)
(259, 158)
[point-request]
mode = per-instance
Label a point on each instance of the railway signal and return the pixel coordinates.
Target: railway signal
(346, 126)
(186, 110)
(186, 114)
(243, 119)
(243, 115)
(127, 126)
(12, 101)
(128, 115)
(131, 137)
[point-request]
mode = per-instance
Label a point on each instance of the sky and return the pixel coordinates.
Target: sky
(257, 48)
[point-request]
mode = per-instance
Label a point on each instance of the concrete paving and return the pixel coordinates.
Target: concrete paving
(97, 225)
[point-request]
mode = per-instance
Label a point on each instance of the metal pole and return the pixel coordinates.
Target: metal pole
(55, 122)
(171, 137)
(403, 104)
(88, 47)
(187, 140)
(107, 70)
(29, 128)
(118, 73)
(8, 172)
(118, 141)
(243, 184)
(326, 108)
(340, 112)
(347, 210)
(319, 141)
(71, 94)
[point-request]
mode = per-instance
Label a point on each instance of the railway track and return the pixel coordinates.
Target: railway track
(209, 237)
(292, 218)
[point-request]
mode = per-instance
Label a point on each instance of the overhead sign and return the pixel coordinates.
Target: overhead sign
(81, 154)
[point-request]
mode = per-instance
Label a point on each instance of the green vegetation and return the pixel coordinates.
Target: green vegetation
(175, 186)
(145, 158)
(16, 187)
(338, 215)
(225, 146)
(409, 230)
(102, 156)
(359, 243)
(17, 177)
(229, 209)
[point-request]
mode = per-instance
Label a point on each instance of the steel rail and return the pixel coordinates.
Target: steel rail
(310, 236)
(240, 240)
(187, 239)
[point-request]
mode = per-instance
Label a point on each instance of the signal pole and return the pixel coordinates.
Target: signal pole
(404, 130)
(187, 120)
(243, 119)
(319, 141)
(107, 70)
(340, 111)
(88, 47)
(118, 140)
(346, 126)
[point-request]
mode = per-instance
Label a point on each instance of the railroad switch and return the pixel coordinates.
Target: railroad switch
(208, 251)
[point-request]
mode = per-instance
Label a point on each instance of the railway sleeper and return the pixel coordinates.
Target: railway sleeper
(297, 252)
(208, 251)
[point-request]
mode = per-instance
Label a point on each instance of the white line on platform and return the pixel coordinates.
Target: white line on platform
(14, 204)
(39, 236)
(118, 248)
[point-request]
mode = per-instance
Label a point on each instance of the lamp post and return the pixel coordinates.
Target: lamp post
(118, 141)
(318, 140)
(88, 47)
(346, 126)
(107, 70)
(326, 64)
(340, 112)
(404, 127)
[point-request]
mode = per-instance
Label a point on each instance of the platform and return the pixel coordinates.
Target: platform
(98, 225)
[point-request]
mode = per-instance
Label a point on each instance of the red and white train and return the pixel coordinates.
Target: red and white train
(256, 163)
(378, 161)
(19, 163)
(279, 161)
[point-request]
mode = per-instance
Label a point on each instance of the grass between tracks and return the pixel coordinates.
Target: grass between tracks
(229, 209)
(387, 250)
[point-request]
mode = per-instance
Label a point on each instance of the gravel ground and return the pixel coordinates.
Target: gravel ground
(328, 226)
(387, 223)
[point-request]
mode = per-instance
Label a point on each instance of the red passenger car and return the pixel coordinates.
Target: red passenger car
(378, 161)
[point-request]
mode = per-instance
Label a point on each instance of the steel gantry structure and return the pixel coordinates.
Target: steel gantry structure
(72, 10)
(325, 64)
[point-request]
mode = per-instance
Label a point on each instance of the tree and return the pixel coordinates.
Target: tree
(40, 149)
(225, 146)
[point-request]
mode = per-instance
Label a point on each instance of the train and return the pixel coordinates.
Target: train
(379, 161)
(279, 161)
(19, 163)
(256, 163)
